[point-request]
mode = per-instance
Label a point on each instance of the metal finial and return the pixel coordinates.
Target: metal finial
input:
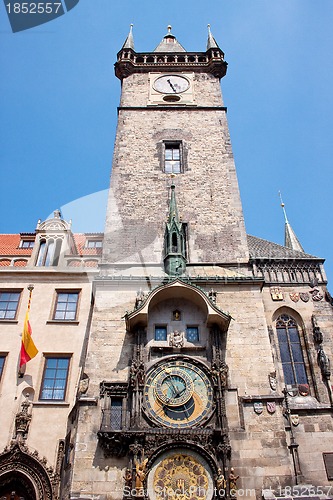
(169, 28)
(208, 26)
(284, 210)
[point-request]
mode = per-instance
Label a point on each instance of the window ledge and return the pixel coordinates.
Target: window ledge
(83, 400)
(62, 322)
(51, 402)
(9, 321)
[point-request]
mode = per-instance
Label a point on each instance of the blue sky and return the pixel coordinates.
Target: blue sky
(58, 100)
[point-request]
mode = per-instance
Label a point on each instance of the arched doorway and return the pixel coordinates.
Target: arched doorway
(15, 486)
(23, 475)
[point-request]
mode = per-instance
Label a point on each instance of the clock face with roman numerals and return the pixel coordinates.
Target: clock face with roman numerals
(178, 394)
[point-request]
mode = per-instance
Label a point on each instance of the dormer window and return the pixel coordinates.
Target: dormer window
(94, 244)
(27, 243)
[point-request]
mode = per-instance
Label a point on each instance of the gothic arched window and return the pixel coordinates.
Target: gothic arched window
(291, 350)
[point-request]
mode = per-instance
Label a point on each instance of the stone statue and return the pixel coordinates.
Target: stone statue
(317, 334)
(133, 372)
(233, 483)
(324, 363)
(220, 482)
(84, 384)
(141, 373)
(177, 339)
(212, 295)
(128, 478)
(220, 370)
(140, 296)
(140, 476)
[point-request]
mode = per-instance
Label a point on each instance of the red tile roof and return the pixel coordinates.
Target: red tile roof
(10, 243)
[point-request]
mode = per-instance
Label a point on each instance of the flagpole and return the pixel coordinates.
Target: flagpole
(30, 288)
(28, 348)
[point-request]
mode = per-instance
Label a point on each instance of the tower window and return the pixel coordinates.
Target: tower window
(192, 334)
(116, 416)
(160, 333)
(172, 158)
(291, 350)
(55, 378)
(8, 304)
(66, 306)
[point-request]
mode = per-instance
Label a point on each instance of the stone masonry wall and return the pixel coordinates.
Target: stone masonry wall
(207, 191)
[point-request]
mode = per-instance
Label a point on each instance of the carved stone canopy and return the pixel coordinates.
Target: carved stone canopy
(181, 290)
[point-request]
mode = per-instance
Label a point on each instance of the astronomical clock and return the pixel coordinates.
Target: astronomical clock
(178, 394)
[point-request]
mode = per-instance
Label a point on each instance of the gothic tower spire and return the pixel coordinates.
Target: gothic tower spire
(290, 238)
(129, 42)
(211, 42)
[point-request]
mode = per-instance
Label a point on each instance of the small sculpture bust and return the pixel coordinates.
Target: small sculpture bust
(176, 316)
(272, 380)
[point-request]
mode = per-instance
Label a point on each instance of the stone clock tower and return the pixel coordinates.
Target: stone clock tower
(180, 336)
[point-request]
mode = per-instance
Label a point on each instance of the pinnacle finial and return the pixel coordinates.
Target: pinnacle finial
(129, 42)
(211, 42)
(290, 238)
(169, 28)
(283, 208)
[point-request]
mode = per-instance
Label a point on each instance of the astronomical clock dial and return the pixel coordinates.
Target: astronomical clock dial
(171, 84)
(178, 394)
(180, 475)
